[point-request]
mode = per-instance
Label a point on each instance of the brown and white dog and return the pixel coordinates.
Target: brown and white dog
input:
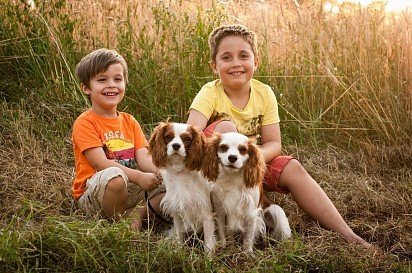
(177, 149)
(237, 167)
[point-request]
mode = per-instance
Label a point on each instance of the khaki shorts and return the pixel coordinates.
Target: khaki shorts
(91, 200)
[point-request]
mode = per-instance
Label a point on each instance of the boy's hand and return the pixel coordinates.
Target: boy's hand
(148, 181)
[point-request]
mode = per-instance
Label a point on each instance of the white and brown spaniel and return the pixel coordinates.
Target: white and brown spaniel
(237, 167)
(178, 150)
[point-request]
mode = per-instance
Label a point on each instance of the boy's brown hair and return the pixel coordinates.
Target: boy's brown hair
(219, 33)
(97, 62)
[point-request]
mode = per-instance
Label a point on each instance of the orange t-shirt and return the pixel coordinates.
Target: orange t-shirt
(119, 137)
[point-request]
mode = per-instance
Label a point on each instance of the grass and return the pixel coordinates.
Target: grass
(343, 85)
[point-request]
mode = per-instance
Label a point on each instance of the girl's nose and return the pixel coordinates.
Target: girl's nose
(236, 62)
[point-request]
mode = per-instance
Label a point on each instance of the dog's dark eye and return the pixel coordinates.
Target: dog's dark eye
(186, 138)
(223, 148)
(168, 138)
(242, 150)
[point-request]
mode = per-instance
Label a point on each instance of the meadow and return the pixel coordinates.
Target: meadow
(344, 87)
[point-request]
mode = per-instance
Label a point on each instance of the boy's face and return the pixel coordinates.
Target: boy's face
(235, 63)
(106, 90)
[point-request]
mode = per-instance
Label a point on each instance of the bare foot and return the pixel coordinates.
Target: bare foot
(136, 225)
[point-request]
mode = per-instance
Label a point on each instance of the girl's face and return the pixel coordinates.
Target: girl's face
(107, 90)
(235, 63)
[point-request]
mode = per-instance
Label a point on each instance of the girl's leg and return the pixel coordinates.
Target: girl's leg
(313, 200)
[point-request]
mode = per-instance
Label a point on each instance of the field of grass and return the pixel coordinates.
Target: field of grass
(344, 86)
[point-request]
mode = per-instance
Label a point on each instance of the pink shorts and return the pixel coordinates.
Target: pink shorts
(274, 167)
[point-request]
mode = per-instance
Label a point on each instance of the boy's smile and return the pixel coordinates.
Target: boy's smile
(107, 90)
(235, 63)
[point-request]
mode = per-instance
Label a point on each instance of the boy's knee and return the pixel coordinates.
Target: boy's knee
(116, 184)
(225, 126)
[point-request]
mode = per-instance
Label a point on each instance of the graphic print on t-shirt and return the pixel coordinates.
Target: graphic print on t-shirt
(121, 150)
(251, 128)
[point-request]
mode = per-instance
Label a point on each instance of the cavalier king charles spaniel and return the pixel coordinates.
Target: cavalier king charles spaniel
(237, 167)
(178, 150)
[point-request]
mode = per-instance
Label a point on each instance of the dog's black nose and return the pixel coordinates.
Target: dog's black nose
(175, 146)
(232, 158)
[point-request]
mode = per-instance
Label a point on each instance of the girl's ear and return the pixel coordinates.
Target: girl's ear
(256, 62)
(213, 66)
(85, 89)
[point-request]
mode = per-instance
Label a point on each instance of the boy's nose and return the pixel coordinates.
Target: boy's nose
(111, 83)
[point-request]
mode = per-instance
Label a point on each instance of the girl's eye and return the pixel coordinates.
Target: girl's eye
(244, 56)
(225, 58)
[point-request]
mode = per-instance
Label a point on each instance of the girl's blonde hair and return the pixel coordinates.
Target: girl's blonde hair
(219, 33)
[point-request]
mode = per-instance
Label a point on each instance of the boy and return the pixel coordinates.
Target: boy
(113, 169)
(236, 102)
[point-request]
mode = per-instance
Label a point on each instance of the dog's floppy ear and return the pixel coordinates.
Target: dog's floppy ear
(157, 145)
(196, 149)
(255, 167)
(210, 166)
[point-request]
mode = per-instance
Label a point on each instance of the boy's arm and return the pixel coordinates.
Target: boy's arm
(97, 158)
(197, 119)
(144, 161)
(271, 141)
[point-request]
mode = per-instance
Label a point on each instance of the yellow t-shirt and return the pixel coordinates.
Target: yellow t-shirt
(120, 138)
(262, 108)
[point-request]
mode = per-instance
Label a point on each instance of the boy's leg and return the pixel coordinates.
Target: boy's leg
(115, 198)
(313, 200)
(137, 198)
(106, 194)
(144, 212)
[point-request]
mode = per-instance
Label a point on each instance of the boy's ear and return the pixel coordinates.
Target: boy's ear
(85, 89)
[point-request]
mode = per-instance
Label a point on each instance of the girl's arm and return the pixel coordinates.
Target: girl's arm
(271, 141)
(197, 119)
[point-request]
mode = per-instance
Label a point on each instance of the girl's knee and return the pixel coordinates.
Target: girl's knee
(294, 168)
(225, 126)
(293, 173)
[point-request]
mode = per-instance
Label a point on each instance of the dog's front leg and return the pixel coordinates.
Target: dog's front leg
(249, 239)
(209, 236)
(179, 227)
(221, 220)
